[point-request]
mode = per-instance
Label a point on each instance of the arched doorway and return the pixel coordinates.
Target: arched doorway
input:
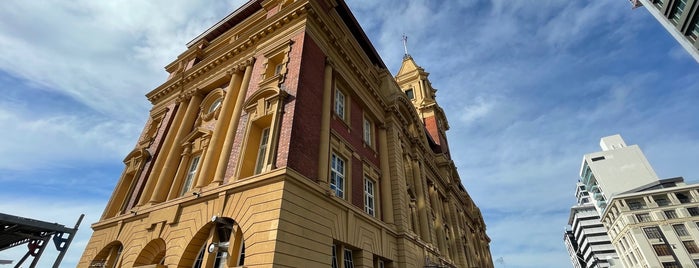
(216, 245)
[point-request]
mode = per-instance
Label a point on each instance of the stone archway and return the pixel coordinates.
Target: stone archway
(218, 243)
(109, 256)
(152, 253)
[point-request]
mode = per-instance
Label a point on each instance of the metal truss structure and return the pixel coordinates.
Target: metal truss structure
(16, 231)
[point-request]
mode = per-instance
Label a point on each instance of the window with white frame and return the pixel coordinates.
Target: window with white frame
(680, 229)
(651, 233)
(368, 132)
(349, 263)
(334, 259)
(337, 175)
(192, 171)
(670, 214)
(262, 151)
(340, 104)
(643, 217)
(369, 196)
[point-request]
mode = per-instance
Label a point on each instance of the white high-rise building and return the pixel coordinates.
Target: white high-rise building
(617, 168)
(586, 238)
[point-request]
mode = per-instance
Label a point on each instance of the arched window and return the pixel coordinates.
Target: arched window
(215, 105)
(211, 104)
(219, 245)
(109, 256)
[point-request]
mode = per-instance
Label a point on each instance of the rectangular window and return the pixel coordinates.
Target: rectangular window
(349, 263)
(670, 214)
(691, 247)
(693, 30)
(334, 259)
(368, 132)
(636, 204)
(643, 217)
(662, 250)
(340, 104)
(410, 93)
(661, 200)
(369, 196)
(595, 159)
(671, 265)
(381, 264)
(680, 229)
(652, 233)
(278, 69)
(683, 197)
(192, 171)
(262, 151)
(658, 3)
(693, 211)
(677, 11)
(337, 175)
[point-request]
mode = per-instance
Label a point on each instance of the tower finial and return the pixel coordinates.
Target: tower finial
(405, 46)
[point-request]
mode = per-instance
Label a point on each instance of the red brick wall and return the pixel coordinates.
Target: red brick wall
(352, 132)
(154, 150)
(305, 136)
(357, 183)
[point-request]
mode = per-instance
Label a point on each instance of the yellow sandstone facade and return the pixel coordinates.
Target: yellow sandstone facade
(280, 139)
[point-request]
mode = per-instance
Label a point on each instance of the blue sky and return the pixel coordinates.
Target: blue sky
(528, 88)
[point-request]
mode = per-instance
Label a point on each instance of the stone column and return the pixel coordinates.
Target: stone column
(385, 190)
(324, 151)
(119, 196)
(180, 174)
(457, 225)
(171, 163)
(164, 151)
(233, 125)
(439, 225)
(421, 204)
(218, 136)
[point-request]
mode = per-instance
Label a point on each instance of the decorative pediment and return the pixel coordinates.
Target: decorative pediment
(136, 159)
(196, 134)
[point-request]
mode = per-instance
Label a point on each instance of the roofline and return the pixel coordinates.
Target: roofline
(223, 23)
(253, 5)
(359, 34)
(641, 191)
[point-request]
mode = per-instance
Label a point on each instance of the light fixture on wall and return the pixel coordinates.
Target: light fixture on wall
(218, 247)
(197, 194)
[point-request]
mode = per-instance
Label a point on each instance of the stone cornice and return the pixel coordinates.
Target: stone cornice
(238, 47)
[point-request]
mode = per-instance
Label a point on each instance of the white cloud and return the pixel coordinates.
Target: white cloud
(32, 143)
(477, 109)
(104, 54)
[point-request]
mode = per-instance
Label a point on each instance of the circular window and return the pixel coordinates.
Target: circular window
(215, 105)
